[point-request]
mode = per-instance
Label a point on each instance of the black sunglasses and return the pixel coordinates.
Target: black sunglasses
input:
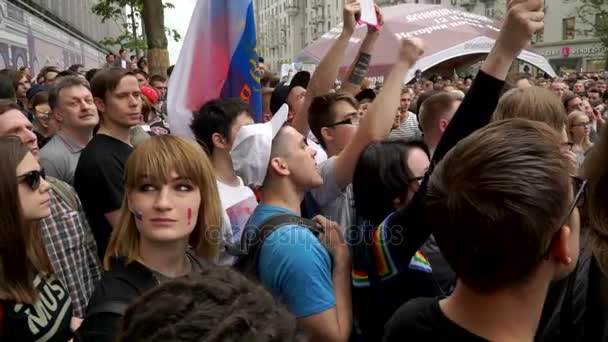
(579, 187)
(354, 120)
(32, 178)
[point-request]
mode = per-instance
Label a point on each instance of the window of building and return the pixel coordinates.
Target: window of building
(601, 22)
(568, 28)
(596, 64)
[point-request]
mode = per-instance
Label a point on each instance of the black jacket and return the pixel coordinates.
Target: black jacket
(116, 289)
(405, 230)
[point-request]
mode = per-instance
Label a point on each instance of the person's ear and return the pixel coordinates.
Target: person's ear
(56, 115)
(279, 166)
(563, 251)
(443, 125)
(219, 141)
(101, 106)
(327, 134)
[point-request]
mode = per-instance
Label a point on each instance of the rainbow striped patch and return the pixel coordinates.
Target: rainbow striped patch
(385, 265)
(420, 263)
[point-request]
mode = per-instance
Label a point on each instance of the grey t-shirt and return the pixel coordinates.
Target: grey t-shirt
(336, 204)
(59, 157)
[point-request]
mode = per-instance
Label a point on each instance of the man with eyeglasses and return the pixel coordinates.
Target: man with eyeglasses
(334, 119)
(66, 234)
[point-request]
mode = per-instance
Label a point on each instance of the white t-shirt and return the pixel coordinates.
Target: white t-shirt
(238, 203)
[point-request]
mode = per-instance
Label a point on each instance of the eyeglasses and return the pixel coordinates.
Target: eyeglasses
(579, 187)
(353, 120)
(32, 178)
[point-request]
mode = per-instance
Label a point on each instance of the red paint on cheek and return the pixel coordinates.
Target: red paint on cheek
(189, 215)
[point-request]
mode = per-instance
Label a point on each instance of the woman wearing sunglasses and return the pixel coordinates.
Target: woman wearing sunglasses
(34, 305)
(169, 228)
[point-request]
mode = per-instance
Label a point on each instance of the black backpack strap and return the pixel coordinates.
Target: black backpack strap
(252, 240)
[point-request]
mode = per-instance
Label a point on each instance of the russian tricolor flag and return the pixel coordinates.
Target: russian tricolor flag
(218, 59)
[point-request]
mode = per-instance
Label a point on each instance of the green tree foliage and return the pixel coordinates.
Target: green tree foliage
(594, 14)
(130, 38)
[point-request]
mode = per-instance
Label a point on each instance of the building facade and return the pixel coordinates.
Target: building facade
(37, 33)
(567, 41)
(285, 27)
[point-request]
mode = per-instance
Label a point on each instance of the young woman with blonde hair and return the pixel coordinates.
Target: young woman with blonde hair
(579, 128)
(169, 228)
(34, 305)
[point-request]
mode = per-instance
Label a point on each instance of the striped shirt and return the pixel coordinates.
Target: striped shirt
(408, 130)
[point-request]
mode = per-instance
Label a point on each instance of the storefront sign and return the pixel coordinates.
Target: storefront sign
(567, 51)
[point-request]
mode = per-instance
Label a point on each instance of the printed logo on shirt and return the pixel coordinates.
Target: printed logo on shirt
(44, 318)
(239, 214)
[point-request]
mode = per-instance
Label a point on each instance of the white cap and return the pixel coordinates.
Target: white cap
(251, 149)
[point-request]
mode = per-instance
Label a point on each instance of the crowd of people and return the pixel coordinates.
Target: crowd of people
(448, 208)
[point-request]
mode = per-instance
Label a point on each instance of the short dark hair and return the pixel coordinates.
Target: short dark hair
(121, 50)
(6, 88)
(107, 80)
(157, 78)
(140, 72)
(506, 201)
(42, 97)
(90, 74)
(594, 90)
(381, 176)
(66, 73)
(75, 67)
(218, 304)
(64, 83)
(321, 112)
(110, 54)
(569, 96)
(141, 62)
(216, 116)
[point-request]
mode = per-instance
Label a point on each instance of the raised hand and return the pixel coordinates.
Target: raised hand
(524, 18)
(373, 29)
(352, 10)
(411, 50)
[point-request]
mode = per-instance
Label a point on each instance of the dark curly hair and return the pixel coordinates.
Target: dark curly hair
(218, 304)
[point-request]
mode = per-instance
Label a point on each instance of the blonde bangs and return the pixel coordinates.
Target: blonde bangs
(158, 157)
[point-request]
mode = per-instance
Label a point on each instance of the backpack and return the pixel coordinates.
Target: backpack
(64, 191)
(252, 241)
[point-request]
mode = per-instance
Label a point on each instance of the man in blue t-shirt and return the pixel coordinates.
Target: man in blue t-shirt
(311, 278)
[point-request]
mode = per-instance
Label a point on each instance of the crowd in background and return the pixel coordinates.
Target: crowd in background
(448, 208)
